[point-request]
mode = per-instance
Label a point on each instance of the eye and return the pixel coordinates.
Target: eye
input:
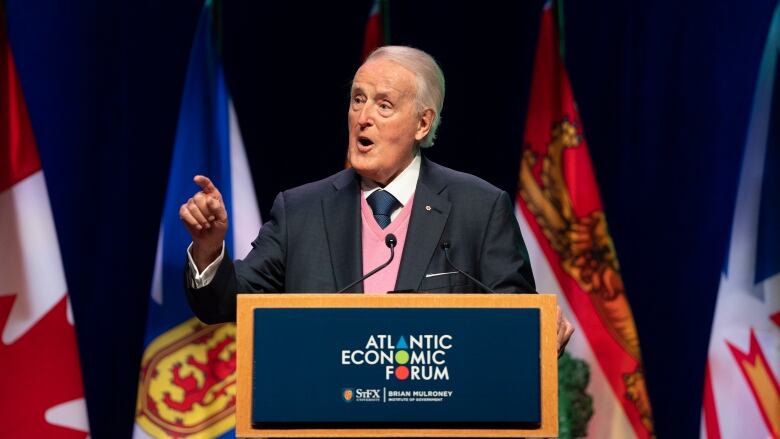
(358, 100)
(385, 107)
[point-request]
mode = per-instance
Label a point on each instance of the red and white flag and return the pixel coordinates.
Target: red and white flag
(41, 393)
(602, 392)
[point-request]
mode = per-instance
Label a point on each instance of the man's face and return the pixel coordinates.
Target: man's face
(384, 123)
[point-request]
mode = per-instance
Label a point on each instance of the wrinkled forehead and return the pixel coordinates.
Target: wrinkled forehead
(384, 76)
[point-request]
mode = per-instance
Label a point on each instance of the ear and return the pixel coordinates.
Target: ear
(425, 124)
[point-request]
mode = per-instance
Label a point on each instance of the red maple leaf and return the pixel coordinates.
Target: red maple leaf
(38, 371)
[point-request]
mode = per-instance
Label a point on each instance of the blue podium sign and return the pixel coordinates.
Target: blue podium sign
(395, 368)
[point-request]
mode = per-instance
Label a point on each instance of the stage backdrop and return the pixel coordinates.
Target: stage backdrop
(664, 90)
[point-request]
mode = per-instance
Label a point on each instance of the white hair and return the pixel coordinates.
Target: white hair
(430, 81)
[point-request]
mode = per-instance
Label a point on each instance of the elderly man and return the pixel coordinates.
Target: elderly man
(324, 235)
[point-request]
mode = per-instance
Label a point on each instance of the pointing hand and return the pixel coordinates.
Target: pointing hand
(205, 218)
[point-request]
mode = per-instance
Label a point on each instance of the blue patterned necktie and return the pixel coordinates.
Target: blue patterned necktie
(382, 205)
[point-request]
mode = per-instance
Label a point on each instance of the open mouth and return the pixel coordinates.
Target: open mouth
(365, 141)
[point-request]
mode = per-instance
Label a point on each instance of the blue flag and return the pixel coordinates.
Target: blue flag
(188, 372)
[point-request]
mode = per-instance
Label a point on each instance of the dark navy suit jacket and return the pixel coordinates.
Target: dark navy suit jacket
(312, 243)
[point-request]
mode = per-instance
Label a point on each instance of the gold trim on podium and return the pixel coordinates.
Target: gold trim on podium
(548, 344)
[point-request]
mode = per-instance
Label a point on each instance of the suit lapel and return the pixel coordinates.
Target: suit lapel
(430, 211)
(341, 213)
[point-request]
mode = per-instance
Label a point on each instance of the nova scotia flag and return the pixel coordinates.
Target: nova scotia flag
(188, 372)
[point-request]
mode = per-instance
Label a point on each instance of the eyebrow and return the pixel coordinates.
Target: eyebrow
(382, 95)
(378, 95)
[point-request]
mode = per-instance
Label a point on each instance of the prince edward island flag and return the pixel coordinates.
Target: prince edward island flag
(601, 384)
(187, 382)
(741, 392)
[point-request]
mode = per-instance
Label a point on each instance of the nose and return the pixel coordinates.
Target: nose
(364, 118)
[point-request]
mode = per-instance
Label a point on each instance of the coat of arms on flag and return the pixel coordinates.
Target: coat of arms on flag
(601, 381)
(187, 382)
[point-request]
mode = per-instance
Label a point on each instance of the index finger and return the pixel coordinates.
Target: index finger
(206, 185)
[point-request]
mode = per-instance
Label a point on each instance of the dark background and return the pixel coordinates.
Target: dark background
(664, 88)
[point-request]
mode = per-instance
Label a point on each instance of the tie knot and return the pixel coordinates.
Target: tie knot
(382, 205)
(382, 202)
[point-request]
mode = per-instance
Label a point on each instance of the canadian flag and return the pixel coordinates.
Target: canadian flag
(41, 393)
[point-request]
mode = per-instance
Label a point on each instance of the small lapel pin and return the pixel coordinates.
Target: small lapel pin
(428, 208)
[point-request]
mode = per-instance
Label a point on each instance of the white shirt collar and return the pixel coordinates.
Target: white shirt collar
(402, 187)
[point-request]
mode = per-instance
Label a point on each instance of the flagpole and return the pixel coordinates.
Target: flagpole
(561, 29)
(217, 25)
(385, 11)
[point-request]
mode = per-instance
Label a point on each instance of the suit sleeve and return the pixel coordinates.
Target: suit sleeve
(504, 263)
(263, 270)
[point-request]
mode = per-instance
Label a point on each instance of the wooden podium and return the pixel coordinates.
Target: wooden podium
(548, 359)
